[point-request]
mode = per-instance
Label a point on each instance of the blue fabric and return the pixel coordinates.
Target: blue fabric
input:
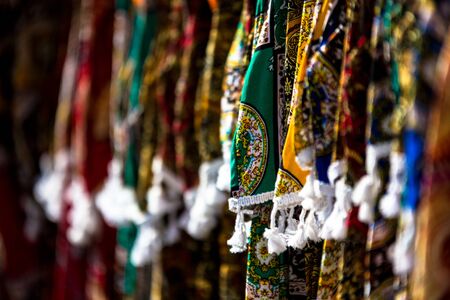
(414, 148)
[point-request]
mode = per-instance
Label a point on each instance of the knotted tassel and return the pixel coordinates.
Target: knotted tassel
(224, 178)
(147, 246)
(158, 203)
(160, 199)
(403, 249)
(201, 222)
(364, 195)
(275, 241)
(49, 188)
(117, 203)
(305, 158)
(83, 218)
(208, 203)
(329, 225)
(342, 206)
(291, 223)
(334, 225)
(312, 227)
(390, 203)
(209, 171)
(324, 200)
(238, 241)
(367, 189)
(298, 240)
(307, 193)
(336, 170)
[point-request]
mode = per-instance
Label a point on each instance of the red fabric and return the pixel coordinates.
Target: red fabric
(75, 271)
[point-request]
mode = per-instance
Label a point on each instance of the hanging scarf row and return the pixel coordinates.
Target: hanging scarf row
(321, 121)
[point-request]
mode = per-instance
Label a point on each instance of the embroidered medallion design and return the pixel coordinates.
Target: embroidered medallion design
(251, 149)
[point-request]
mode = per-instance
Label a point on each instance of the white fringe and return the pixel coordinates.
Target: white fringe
(83, 218)
(49, 188)
(148, 244)
(160, 200)
(238, 241)
(208, 203)
(234, 204)
(116, 202)
(390, 203)
(403, 249)
(369, 186)
(305, 158)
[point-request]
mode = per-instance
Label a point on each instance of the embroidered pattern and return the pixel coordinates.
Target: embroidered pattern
(286, 183)
(264, 34)
(251, 149)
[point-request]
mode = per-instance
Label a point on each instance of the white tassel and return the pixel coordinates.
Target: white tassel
(366, 212)
(298, 240)
(215, 199)
(224, 178)
(158, 202)
(324, 200)
(367, 189)
(126, 200)
(374, 152)
(83, 218)
(238, 241)
(189, 197)
(147, 245)
(282, 221)
(339, 232)
(200, 224)
(291, 223)
(403, 249)
(336, 170)
(307, 193)
(162, 201)
(49, 188)
(209, 202)
(275, 242)
(201, 220)
(335, 227)
(312, 228)
(363, 189)
(117, 203)
(343, 205)
(305, 158)
(390, 203)
(329, 225)
(364, 195)
(189, 200)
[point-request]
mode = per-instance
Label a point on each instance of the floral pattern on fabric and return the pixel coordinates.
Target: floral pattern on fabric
(330, 270)
(251, 149)
(266, 273)
(286, 183)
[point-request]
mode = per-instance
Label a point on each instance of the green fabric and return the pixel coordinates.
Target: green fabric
(125, 238)
(255, 149)
(143, 33)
